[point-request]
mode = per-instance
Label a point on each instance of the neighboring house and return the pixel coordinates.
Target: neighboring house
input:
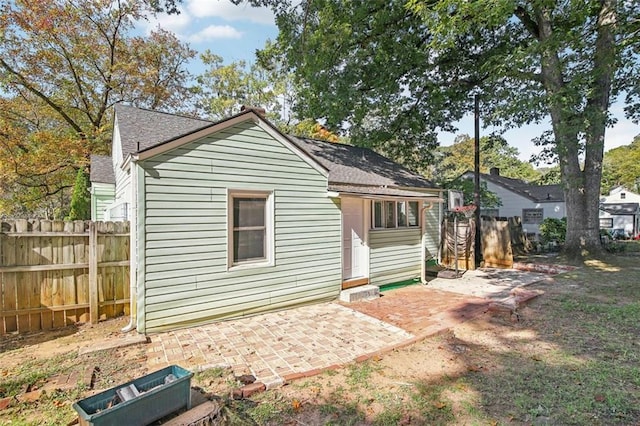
(532, 203)
(620, 210)
(103, 185)
(235, 218)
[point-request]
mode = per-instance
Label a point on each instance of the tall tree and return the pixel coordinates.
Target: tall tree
(38, 159)
(494, 152)
(224, 89)
(70, 61)
(399, 71)
(622, 167)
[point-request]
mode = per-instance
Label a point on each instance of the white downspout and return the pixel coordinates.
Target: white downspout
(133, 251)
(423, 248)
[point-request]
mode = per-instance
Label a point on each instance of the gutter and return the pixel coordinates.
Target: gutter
(133, 251)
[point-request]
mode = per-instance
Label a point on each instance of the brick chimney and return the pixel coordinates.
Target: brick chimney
(494, 171)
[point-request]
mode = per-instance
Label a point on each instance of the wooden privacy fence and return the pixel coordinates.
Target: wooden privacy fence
(56, 273)
(502, 239)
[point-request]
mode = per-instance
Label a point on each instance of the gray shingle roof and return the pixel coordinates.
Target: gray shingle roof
(360, 166)
(537, 193)
(377, 190)
(101, 169)
(141, 129)
(620, 208)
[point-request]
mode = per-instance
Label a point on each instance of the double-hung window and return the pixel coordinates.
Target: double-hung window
(250, 228)
(395, 214)
(532, 216)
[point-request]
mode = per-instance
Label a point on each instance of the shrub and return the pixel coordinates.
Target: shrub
(553, 230)
(81, 199)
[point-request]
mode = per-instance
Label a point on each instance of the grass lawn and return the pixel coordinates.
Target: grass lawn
(572, 359)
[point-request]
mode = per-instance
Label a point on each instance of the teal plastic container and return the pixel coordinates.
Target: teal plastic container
(158, 398)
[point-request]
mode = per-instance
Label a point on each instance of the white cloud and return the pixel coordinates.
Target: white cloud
(224, 9)
(214, 32)
(173, 23)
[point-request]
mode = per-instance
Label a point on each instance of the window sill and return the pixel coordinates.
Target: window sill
(401, 229)
(249, 265)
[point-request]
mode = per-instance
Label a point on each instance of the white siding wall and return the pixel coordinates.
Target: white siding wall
(625, 222)
(123, 177)
(615, 196)
(395, 255)
(186, 279)
(512, 205)
(630, 223)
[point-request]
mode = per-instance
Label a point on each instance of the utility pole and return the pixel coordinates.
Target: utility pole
(476, 180)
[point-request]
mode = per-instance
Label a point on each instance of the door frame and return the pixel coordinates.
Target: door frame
(364, 208)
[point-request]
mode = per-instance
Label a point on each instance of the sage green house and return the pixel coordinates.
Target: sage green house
(234, 218)
(103, 186)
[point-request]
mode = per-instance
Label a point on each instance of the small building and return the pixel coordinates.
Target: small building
(620, 210)
(532, 203)
(234, 218)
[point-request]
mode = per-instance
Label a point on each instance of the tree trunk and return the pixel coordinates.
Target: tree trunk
(581, 185)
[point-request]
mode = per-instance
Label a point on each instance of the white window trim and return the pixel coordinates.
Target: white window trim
(269, 231)
(395, 208)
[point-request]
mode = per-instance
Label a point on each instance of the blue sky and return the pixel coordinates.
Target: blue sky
(235, 32)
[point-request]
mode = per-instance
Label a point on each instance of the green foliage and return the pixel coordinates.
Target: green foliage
(621, 167)
(549, 176)
(552, 229)
(453, 161)
(488, 199)
(81, 199)
(224, 89)
(63, 65)
(392, 74)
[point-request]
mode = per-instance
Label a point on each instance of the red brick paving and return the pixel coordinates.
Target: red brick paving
(279, 346)
(421, 310)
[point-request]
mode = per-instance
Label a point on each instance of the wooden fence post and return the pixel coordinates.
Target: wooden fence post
(93, 273)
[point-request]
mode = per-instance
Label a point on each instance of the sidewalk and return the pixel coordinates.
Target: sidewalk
(280, 346)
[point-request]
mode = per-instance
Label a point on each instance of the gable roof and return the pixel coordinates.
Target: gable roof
(350, 169)
(620, 208)
(101, 169)
(536, 193)
(142, 129)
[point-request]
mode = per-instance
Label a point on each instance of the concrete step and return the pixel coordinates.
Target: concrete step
(357, 294)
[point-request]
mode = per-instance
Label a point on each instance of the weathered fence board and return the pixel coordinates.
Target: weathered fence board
(496, 245)
(458, 239)
(55, 273)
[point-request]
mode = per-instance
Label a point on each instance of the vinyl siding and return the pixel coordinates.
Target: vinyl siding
(186, 277)
(512, 205)
(122, 177)
(102, 194)
(432, 230)
(395, 255)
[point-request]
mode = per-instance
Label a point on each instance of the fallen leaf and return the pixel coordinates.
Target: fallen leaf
(440, 405)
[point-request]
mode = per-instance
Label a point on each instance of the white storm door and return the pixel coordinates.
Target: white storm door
(353, 239)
